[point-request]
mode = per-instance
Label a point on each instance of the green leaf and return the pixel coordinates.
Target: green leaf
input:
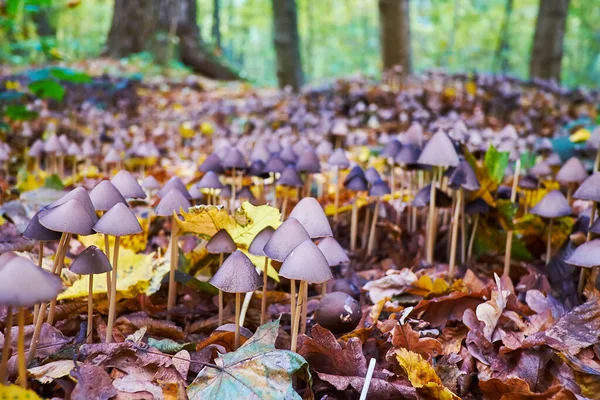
(506, 213)
(527, 160)
(54, 182)
(70, 75)
(20, 113)
(496, 161)
(169, 346)
(47, 88)
(255, 371)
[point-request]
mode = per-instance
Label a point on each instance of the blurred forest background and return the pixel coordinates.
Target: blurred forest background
(337, 37)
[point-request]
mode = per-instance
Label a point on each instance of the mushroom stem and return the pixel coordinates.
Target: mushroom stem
(307, 183)
(472, 239)
(57, 271)
(569, 193)
(237, 321)
(172, 296)
(549, 244)
(274, 190)
(90, 323)
(509, 234)
(284, 204)
(366, 225)
(293, 301)
(431, 219)
(296, 320)
(368, 377)
(263, 300)
(455, 222)
(373, 227)
(392, 177)
(245, 305)
(582, 273)
(354, 223)
(233, 192)
(6, 347)
(21, 348)
(463, 232)
(304, 309)
(107, 252)
(36, 307)
(336, 204)
(220, 295)
(113, 293)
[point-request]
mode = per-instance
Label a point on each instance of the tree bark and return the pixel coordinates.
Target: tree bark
(287, 44)
(216, 23)
(394, 19)
(159, 25)
(547, 49)
(503, 46)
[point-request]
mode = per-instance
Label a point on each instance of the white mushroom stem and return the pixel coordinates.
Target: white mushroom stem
(245, 305)
(365, 389)
(107, 252)
(297, 313)
(113, 293)
(431, 219)
(373, 227)
(354, 223)
(21, 349)
(284, 204)
(304, 310)
(90, 323)
(549, 244)
(509, 234)
(454, 239)
(293, 301)
(263, 301)
(6, 348)
(172, 296)
(36, 307)
(392, 176)
(220, 295)
(274, 190)
(582, 273)
(57, 271)
(233, 192)
(237, 321)
(336, 204)
(472, 240)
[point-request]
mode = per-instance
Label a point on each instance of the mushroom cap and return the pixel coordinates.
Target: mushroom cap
(210, 180)
(552, 205)
(237, 275)
(234, 159)
(309, 162)
(356, 171)
(246, 193)
(74, 150)
(573, 171)
(118, 221)
(225, 192)
(195, 193)
(553, 160)
(173, 201)
(587, 255)
(128, 185)
(221, 242)
(212, 163)
(91, 261)
(257, 168)
(356, 184)
(422, 197)
(595, 228)
(37, 231)
(528, 182)
(174, 183)
(53, 145)
(338, 159)
(333, 251)
(372, 175)
(477, 206)
(391, 148)
(324, 148)
(379, 188)
(288, 156)
(589, 189)
(541, 170)
(274, 165)
(408, 155)
(289, 235)
(290, 177)
(311, 215)
(439, 151)
(112, 157)
(150, 183)
(82, 196)
(37, 149)
(105, 195)
(464, 176)
(23, 284)
(260, 240)
(70, 217)
(306, 263)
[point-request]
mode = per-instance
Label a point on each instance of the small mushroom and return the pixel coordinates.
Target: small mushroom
(378, 190)
(339, 312)
(221, 243)
(338, 161)
(256, 248)
(128, 185)
(571, 174)
(552, 205)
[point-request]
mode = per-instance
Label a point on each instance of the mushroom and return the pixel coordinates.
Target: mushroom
(307, 264)
(476, 207)
(210, 181)
(91, 261)
(234, 159)
(552, 205)
(274, 166)
(174, 183)
(334, 253)
(128, 185)
(308, 163)
(237, 275)
(170, 205)
(389, 152)
(585, 256)
(151, 185)
(338, 161)
(356, 182)
(378, 190)
(221, 243)
(509, 234)
(571, 174)
(339, 312)
(256, 248)
(118, 221)
(23, 284)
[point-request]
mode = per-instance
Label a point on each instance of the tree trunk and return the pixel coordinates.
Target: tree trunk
(156, 26)
(216, 23)
(503, 47)
(547, 49)
(394, 19)
(287, 44)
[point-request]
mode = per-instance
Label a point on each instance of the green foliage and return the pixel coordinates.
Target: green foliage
(19, 113)
(47, 89)
(496, 162)
(527, 160)
(54, 182)
(169, 346)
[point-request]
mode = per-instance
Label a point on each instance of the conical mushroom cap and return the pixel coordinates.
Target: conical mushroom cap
(589, 189)
(439, 151)
(356, 184)
(37, 231)
(174, 183)
(128, 185)
(309, 162)
(422, 198)
(274, 165)
(289, 235)
(290, 177)
(213, 164)
(324, 149)
(81, 195)
(112, 157)
(333, 252)
(37, 149)
(260, 240)
(528, 182)
(338, 159)
(464, 176)
(306, 263)
(288, 156)
(53, 145)
(391, 148)
(74, 150)
(234, 159)
(118, 221)
(23, 284)
(541, 170)
(237, 275)
(70, 217)
(259, 153)
(172, 202)
(150, 183)
(246, 193)
(552, 205)
(257, 168)
(372, 175)
(379, 188)
(210, 180)
(221, 242)
(310, 214)
(225, 192)
(573, 171)
(477, 206)
(408, 155)
(553, 160)
(91, 261)
(195, 193)
(105, 195)
(595, 228)
(587, 255)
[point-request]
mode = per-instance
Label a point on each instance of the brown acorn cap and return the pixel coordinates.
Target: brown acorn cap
(221, 242)
(23, 284)
(587, 255)
(128, 185)
(260, 240)
(439, 151)
(82, 196)
(289, 235)
(118, 221)
(306, 263)
(70, 217)
(91, 261)
(333, 252)
(589, 189)
(39, 232)
(105, 195)
(552, 205)
(311, 215)
(573, 171)
(173, 201)
(237, 275)
(174, 183)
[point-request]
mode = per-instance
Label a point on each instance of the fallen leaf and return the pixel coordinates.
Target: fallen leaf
(92, 383)
(451, 307)
(489, 312)
(390, 285)
(518, 389)
(14, 392)
(169, 346)
(423, 377)
(48, 372)
(404, 336)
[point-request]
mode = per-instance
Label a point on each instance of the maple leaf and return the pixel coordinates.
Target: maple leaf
(255, 371)
(423, 377)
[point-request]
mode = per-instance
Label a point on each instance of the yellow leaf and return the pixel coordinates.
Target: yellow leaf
(186, 130)
(15, 392)
(49, 372)
(581, 135)
(27, 181)
(426, 287)
(206, 129)
(423, 377)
